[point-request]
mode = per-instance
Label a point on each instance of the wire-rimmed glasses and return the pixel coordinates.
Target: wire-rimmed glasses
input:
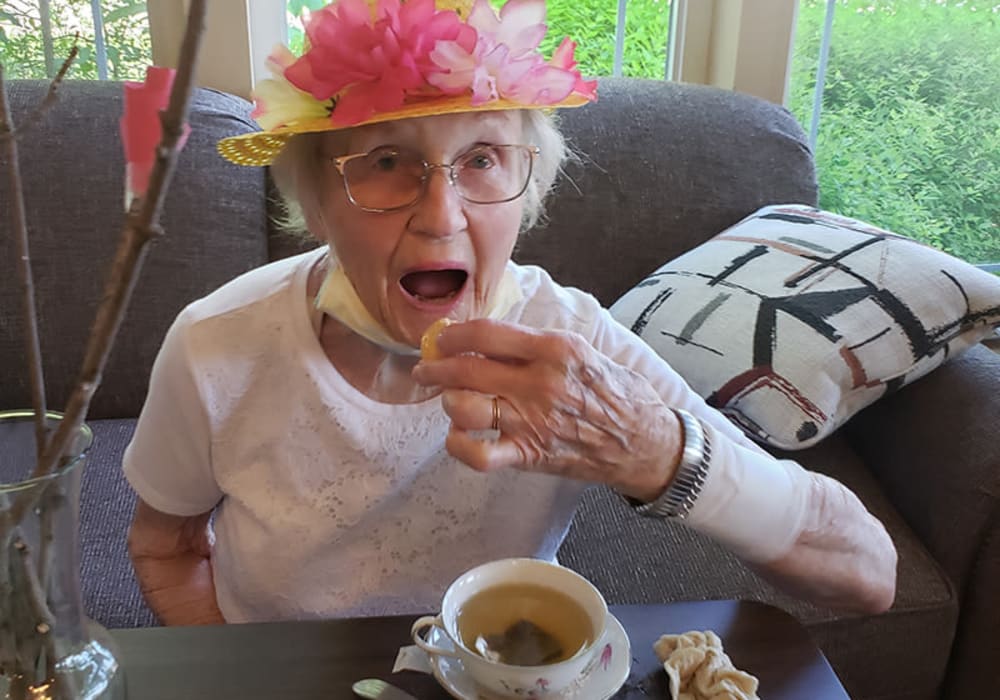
(390, 178)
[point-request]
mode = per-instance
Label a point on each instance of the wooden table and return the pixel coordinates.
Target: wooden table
(320, 660)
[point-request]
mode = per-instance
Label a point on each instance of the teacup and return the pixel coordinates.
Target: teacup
(509, 680)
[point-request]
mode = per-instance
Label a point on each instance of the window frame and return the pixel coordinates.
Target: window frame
(742, 45)
(239, 36)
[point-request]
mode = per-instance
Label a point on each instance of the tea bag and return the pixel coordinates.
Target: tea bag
(522, 644)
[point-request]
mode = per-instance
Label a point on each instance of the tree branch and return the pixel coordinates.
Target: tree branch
(141, 226)
(32, 347)
(35, 118)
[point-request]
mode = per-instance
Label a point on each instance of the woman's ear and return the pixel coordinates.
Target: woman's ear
(316, 222)
(314, 188)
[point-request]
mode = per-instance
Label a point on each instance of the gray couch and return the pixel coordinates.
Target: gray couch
(666, 167)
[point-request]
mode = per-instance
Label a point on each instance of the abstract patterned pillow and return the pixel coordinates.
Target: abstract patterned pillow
(794, 319)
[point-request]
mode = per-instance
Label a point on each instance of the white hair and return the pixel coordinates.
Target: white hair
(298, 172)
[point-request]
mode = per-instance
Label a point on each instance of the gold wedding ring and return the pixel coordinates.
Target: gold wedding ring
(496, 413)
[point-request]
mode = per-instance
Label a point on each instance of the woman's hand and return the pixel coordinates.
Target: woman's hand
(564, 408)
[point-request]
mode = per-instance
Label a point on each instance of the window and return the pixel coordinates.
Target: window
(638, 50)
(36, 37)
(908, 134)
(716, 42)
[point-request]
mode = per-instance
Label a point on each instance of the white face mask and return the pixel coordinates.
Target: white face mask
(338, 298)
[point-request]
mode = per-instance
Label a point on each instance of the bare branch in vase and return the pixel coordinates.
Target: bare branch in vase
(32, 347)
(33, 119)
(21, 569)
(26, 620)
(32, 343)
(140, 227)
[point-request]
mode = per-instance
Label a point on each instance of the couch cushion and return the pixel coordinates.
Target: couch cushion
(795, 319)
(664, 167)
(72, 167)
(110, 591)
(896, 655)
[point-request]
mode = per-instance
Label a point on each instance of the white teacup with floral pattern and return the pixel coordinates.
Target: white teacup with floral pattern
(508, 680)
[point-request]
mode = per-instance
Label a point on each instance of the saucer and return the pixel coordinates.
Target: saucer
(607, 676)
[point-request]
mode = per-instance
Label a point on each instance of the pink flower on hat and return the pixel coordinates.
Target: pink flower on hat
(505, 62)
(278, 102)
(376, 63)
(367, 58)
(563, 58)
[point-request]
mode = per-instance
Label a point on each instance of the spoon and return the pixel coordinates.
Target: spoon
(377, 689)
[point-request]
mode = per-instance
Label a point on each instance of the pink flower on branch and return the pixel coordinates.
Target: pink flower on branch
(140, 127)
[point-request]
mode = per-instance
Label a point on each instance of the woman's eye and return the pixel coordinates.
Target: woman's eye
(480, 160)
(386, 161)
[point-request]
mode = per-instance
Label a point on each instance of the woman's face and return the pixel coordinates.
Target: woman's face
(443, 255)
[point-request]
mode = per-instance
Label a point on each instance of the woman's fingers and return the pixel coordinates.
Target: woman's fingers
(561, 407)
(470, 410)
(475, 373)
(483, 455)
(547, 365)
(508, 342)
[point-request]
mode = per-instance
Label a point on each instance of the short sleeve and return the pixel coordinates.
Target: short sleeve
(169, 461)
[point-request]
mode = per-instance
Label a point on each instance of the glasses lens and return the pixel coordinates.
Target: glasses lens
(385, 178)
(489, 174)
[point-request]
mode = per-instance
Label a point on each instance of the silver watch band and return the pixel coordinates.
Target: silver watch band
(679, 497)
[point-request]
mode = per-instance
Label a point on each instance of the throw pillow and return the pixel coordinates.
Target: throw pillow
(794, 319)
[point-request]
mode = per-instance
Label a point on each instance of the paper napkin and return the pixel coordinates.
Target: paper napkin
(700, 670)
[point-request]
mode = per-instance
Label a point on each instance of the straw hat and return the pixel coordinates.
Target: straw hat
(366, 63)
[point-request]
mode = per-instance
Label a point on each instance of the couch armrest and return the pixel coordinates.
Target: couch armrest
(933, 446)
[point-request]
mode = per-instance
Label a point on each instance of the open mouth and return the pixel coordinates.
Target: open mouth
(434, 286)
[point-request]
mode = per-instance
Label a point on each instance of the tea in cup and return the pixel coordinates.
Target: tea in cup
(520, 626)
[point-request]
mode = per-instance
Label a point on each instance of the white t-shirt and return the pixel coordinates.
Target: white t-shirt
(328, 503)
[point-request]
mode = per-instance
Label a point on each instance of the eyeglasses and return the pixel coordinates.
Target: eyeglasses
(390, 178)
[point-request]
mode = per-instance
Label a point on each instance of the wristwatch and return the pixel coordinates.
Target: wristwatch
(679, 497)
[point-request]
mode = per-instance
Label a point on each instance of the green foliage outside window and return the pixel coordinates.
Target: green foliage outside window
(909, 134)
(126, 38)
(591, 24)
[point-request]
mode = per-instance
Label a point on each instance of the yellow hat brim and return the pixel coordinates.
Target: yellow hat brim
(262, 147)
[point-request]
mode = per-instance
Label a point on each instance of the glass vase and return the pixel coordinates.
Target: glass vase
(49, 649)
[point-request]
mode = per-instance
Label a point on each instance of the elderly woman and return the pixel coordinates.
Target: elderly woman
(297, 458)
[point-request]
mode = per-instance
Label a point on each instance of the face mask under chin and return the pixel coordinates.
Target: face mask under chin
(338, 298)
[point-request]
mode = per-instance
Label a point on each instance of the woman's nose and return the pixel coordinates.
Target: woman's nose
(440, 211)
